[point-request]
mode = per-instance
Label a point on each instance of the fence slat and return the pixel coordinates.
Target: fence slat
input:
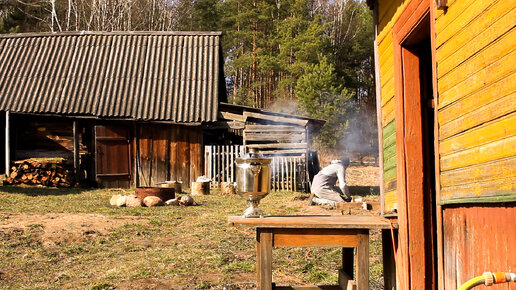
(287, 172)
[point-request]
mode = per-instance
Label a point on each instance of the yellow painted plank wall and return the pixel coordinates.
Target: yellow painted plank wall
(476, 79)
(388, 13)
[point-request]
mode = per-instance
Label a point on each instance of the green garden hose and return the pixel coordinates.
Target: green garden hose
(489, 279)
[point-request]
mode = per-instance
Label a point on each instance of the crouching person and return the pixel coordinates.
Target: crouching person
(324, 189)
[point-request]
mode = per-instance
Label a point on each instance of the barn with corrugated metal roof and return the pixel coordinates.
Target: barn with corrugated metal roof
(123, 108)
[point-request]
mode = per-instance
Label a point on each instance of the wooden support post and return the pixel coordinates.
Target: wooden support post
(264, 258)
(348, 258)
(76, 150)
(7, 145)
(362, 257)
(378, 88)
(389, 267)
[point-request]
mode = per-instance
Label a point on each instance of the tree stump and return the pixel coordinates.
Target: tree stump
(200, 188)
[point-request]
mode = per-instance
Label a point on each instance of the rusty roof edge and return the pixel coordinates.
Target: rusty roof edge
(114, 33)
(108, 118)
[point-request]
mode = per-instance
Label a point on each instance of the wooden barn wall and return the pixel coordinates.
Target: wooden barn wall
(388, 13)
(167, 152)
(475, 42)
(477, 238)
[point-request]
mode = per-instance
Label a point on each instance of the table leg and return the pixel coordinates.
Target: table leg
(348, 258)
(346, 273)
(362, 277)
(264, 258)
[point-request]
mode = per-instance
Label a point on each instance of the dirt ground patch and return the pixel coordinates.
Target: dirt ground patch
(64, 228)
(363, 176)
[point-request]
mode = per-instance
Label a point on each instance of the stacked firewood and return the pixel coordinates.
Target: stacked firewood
(40, 172)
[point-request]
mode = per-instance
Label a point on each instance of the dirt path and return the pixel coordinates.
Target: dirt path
(63, 228)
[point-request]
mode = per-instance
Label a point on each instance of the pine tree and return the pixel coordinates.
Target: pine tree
(322, 96)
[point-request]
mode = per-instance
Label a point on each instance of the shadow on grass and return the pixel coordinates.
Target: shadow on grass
(41, 191)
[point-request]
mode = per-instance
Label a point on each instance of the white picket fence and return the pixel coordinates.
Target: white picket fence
(219, 162)
(287, 173)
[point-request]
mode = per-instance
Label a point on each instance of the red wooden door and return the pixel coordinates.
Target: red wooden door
(112, 156)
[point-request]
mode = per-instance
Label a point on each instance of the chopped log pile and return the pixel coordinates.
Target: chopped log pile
(40, 172)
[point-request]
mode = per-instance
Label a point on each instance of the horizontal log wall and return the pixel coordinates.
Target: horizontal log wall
(168, 152)
(276, 139)
(477, 98)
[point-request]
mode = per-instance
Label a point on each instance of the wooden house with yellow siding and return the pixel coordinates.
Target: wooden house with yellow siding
(446, 101)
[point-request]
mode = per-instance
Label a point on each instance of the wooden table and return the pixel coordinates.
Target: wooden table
(347, 232)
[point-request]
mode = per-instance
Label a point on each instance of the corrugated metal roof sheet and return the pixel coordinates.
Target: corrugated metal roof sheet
(172, 76)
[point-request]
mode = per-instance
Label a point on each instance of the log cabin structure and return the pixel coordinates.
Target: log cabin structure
(445, 85)
(121, 108)
(126, 109)
(286, 138)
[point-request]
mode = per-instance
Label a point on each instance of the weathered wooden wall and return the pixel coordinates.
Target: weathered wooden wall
(476, 110)
(476, 48)
(478, 238)
(388, 13)
(167, 152)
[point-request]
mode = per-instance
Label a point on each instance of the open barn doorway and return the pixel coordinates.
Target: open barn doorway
(415, 149)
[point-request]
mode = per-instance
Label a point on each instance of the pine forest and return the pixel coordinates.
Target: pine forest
(305, 57)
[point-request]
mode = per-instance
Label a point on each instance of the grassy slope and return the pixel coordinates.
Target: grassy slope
(175, 247)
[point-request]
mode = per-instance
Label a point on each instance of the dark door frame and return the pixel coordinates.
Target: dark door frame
(417, 255)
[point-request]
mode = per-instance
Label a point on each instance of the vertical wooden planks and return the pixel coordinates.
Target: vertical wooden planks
(232, 164)
(476, 241)
(160, 150)
(76, 160)
(7, 144)
(173, 153)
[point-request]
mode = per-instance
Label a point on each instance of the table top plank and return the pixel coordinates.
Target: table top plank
(314, 221)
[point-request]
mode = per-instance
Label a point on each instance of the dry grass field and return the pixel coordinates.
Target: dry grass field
(73, 239)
